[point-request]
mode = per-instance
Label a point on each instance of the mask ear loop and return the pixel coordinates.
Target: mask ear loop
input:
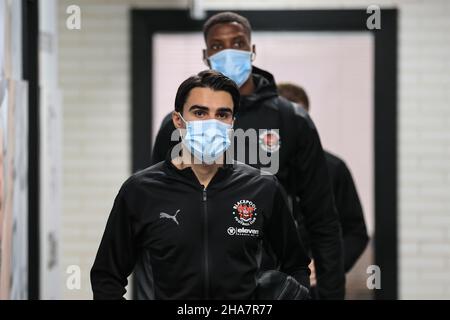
(205, 59)
(181, 129)
(231, 130)
(185, 124)
(253, 56)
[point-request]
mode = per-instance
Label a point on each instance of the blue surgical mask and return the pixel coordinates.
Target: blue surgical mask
(207, 140)
(235, 64)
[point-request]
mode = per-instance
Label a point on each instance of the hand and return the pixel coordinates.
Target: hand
(312, 276)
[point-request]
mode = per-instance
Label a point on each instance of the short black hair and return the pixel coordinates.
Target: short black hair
(227, 17)
(293, 93)
(207, 79)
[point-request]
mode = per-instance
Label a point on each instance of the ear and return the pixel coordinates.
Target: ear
(177, 121)
(205, 58)
(253, 52)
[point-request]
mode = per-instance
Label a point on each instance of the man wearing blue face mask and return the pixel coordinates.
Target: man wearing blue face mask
(235, 64)
(302, 166)
(205, 140)
(193, 224)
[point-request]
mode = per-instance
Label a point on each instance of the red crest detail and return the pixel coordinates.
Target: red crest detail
(245, 212)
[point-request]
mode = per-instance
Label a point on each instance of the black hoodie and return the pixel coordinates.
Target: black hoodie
(354, 231)
(192, 242)
(302, 172)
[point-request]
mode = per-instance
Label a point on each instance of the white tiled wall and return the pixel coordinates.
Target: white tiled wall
(95, 79)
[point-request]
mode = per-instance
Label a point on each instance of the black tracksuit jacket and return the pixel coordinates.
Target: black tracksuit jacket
(354, 231)
(303, 173)
(196, 243)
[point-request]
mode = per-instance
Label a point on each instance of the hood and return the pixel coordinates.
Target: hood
(265, 88)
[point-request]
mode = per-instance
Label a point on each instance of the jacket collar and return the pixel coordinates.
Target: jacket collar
(265, 89)
(187, 174)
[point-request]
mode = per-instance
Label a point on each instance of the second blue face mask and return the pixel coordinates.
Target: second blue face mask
(207, 140)
(235, 64)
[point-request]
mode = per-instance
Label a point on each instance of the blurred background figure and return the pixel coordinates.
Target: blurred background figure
(84, 85)
(346, 198)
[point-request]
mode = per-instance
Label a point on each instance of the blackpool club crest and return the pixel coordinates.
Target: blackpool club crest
(269, 140)
(244, 212)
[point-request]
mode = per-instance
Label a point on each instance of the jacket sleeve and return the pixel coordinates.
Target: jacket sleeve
(351, 215)
(163, 141)
(116, 255)
(313, 187)
(282, 235)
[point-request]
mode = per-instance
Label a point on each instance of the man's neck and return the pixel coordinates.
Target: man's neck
(204, 172)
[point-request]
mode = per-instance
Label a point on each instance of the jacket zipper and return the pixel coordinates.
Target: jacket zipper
(205, 242)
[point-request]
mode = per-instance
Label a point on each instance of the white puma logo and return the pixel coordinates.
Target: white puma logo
(168, 216)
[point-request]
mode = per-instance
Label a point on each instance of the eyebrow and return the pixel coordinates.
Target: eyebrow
(225, 109)
(204, 108)
(196, 106)
(241, 36)
(238, 37)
